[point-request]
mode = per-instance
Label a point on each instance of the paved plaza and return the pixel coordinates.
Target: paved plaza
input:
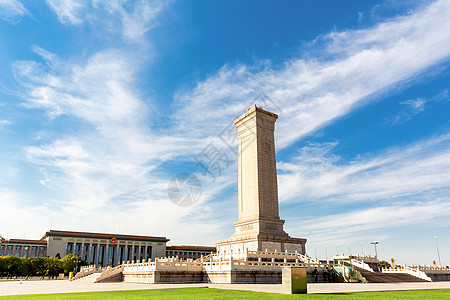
(64, 286)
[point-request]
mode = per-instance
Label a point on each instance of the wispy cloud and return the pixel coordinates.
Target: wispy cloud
(110, 166)
(12, 11)
(348, 226)
(108, 163)
(70, 11)
(3, 123)
(396, 173)
(413, 107)
(314, 92)
(134, 18)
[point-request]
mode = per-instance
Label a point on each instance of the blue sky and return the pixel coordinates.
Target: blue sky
(102, 103)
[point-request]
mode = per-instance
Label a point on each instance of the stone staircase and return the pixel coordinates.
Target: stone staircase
(87, 271)
(89, 278)
(111, 275)
(378, 277)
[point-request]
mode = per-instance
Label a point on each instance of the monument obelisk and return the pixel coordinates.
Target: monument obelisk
(259, 226)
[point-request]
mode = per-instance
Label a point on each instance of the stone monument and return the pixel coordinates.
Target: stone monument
(259, 227)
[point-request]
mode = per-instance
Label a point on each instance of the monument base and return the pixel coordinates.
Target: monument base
(261, 242)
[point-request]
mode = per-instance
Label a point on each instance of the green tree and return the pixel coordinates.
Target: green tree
(53, 266)
(13, 266)
(38, 266)
(383, 264)
(71, 262)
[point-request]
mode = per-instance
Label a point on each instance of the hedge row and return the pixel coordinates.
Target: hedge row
(38, 266)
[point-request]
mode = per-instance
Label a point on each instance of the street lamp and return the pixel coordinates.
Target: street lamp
(349, 249)
(362, 249)
(437, 249)
(375, 245)
(326, 253)
(337, 249)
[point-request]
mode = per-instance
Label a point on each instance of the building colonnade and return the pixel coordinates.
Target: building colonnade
(107, 254)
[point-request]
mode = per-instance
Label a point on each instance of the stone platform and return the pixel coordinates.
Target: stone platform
(10, 288)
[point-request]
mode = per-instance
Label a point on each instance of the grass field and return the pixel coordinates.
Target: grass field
(211, 293)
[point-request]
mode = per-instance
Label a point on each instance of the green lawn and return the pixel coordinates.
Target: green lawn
(211, 293)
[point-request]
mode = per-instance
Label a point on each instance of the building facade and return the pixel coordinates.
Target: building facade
(24, 248)
(104, 249)
(101, 249)
(192, 252)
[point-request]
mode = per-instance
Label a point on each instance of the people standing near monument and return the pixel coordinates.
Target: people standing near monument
(332, 275)
(316, 275)
(326, 275)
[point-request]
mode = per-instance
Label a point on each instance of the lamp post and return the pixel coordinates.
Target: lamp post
(362, 249)
(326, 253)
(337, 249)
(349, 249)
(437, 249)
(375, 245)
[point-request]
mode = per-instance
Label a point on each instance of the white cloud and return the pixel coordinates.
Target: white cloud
(413, 170)
(3, 123)
(411, 109)
(108, 167)
(315, 92)
(12, 10)
(69, 11)
(347, 226)
(135, 21)
(134, 18)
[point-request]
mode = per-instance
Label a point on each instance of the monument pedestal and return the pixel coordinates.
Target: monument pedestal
(259, 242)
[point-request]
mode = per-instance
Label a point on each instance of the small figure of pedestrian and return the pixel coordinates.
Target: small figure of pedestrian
(316, 275)
(333, 274)
(325, 275)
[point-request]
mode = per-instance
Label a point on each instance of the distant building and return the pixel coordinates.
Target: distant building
(24, 248)
(185, 252)
(104, 248)
(100, 249)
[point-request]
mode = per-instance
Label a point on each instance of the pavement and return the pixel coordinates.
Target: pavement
(65, 286)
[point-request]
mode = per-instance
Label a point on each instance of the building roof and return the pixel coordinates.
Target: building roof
(192, 248)
(21, 241)
(78, 234)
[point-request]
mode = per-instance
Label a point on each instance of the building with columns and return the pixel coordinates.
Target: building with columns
(186, 252)
(24, 248)
(101, 249)
(104, 248)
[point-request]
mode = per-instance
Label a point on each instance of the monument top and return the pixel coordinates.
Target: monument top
(252, 110)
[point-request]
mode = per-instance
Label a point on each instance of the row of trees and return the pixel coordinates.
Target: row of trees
(11, 266)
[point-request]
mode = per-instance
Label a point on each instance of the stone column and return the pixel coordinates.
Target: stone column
(116, 256)
(105, 254)
(97, 253)
(145, 253)
(89, 254)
